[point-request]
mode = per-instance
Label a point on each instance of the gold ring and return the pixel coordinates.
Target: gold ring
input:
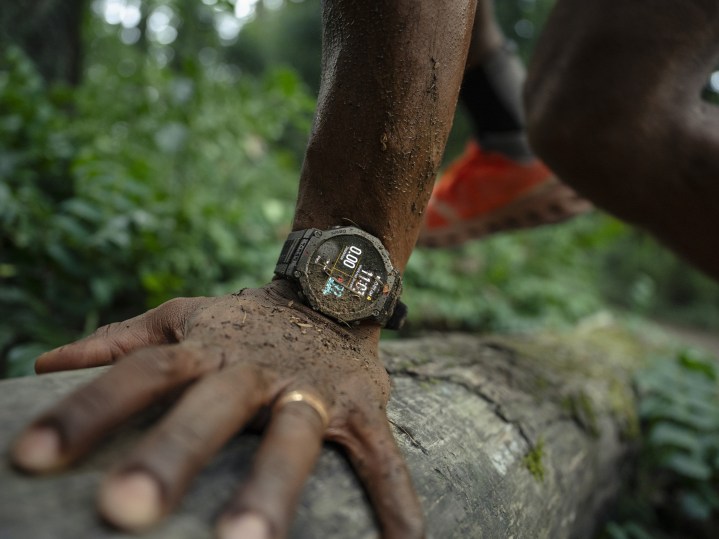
(307, 398)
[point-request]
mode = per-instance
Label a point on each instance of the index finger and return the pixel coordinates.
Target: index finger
(162, 325)
(73, 426)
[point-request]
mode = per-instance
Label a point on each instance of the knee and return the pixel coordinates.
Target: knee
(589, 139)
(561, 126)
(633, 155)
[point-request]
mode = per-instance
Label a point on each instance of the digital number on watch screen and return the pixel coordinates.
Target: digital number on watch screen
(350, 268)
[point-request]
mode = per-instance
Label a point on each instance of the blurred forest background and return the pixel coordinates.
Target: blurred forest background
(151, 149)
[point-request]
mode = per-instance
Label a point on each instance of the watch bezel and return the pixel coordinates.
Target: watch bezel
(379, 310)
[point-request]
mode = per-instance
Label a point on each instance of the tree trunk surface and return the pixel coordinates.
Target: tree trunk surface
(506, 437)
(50, 33)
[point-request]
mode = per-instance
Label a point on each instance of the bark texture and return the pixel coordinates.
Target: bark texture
(506, 437)
(50, 32)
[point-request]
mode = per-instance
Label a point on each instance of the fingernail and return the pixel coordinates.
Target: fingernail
(37, 450)
(248, 526)
(131, 501)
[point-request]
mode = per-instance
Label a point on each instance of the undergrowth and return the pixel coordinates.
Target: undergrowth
(674, 493)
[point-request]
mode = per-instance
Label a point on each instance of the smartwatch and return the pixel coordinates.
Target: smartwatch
(344, 273)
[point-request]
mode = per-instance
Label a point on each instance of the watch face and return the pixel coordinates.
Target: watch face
(348, 277)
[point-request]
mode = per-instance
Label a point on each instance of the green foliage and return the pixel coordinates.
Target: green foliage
(556, 275)
(291, 36)
(522, 21)
(675, 491)
(641, 275)
(144, 186)
(35, 158)
(171, 172)
(512, 282)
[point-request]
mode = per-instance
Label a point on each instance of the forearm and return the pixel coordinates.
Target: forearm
(390, 78)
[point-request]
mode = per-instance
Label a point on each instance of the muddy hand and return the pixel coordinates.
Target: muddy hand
(232, 357)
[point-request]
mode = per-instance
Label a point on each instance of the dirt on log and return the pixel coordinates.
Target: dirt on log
(506, 437)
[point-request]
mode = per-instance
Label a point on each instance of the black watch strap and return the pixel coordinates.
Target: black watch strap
(398, 318)
(292, 250)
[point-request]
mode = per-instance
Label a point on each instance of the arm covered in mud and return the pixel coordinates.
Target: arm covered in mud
(391, 75)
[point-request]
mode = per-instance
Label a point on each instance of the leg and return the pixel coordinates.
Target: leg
(492, 88)
(613, 100)
(498, 183)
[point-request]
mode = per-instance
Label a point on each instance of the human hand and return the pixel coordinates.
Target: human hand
(234, 358)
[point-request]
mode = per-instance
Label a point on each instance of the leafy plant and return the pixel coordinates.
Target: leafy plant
(114, 201)
(512, 282)
(170, 171)
(675, 491)
(641, 275)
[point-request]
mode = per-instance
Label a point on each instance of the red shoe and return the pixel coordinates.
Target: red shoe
(485, 192)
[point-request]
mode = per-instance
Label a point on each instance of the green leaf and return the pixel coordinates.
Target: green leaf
(616, 531)
(687, 466)
(21, 358)
(695, 506)
(696, 361)
(671, 435)
(171, 137)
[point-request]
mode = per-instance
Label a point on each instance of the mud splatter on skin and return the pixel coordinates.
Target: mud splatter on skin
(271, 328)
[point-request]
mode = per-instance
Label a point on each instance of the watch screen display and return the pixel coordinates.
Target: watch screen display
(347, 270)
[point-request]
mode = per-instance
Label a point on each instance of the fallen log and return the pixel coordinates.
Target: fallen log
(506, 437)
